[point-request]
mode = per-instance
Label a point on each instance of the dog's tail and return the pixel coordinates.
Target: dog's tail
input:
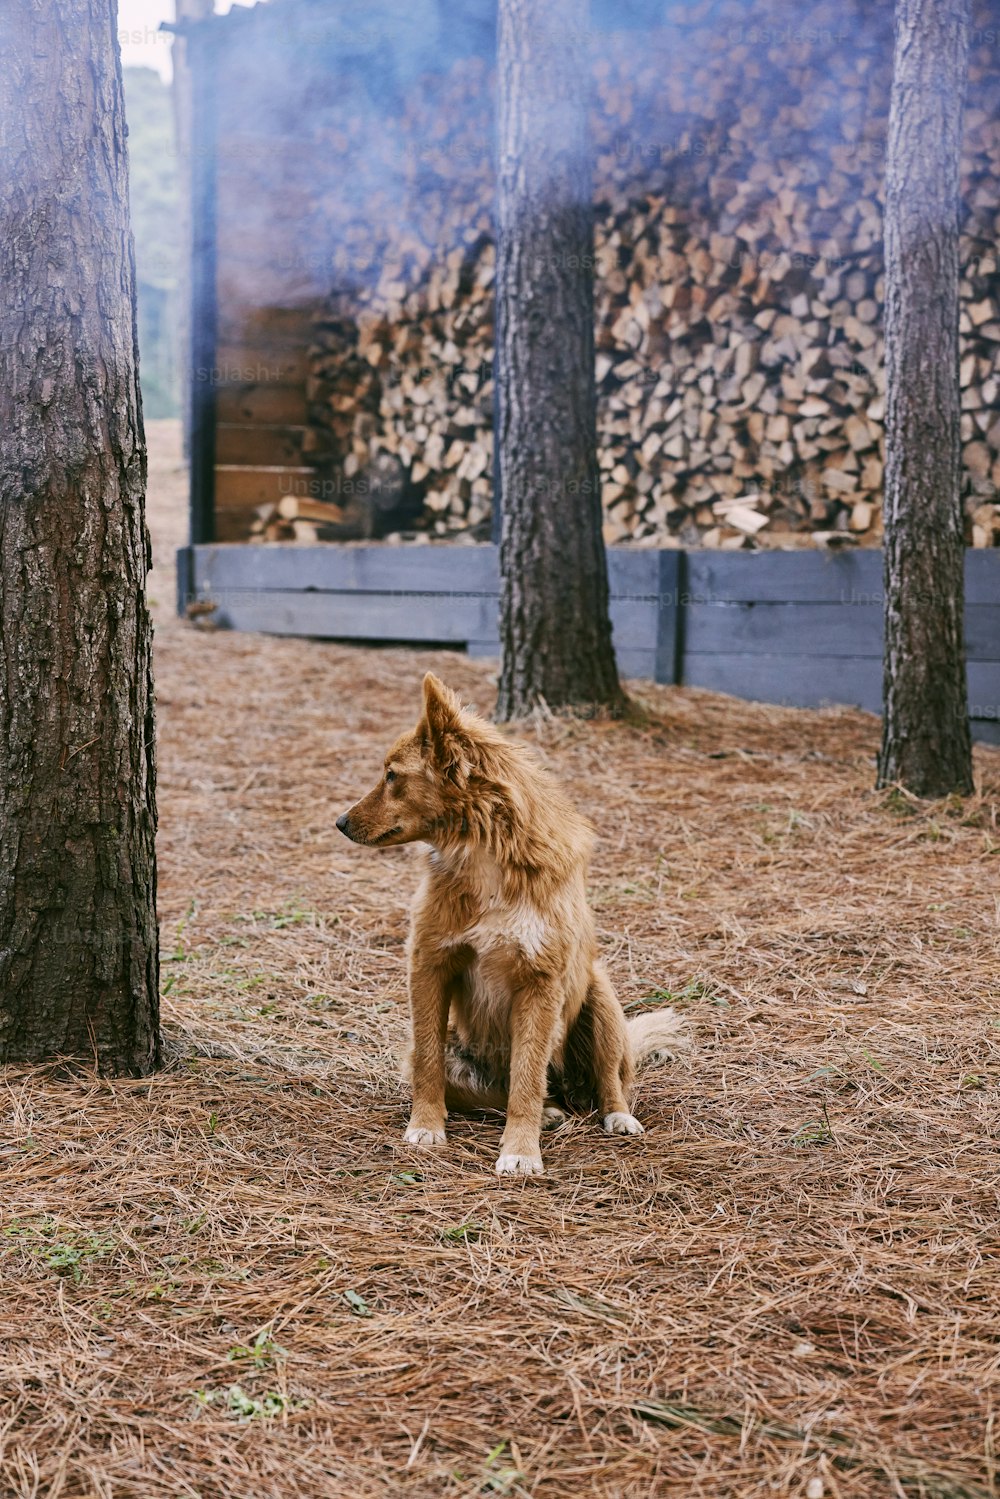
(657, 1036)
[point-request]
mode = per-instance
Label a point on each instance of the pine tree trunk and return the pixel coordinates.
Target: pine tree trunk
(78, 936)
(554, 628)
(925, 740)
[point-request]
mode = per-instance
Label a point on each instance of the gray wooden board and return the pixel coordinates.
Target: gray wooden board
(634, 575)
(984, 689)
(796, 681)
(634, 625)
(982, 576)
(437, 571)
(982, 631)
(817, 577)
(827, 629)
(810, 681)
(636, 663)
(354, 616)
(634, 621)
(785, 577)
(783, 630)
(381, 569)
(710, 577)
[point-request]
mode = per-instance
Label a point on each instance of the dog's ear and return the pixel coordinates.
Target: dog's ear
(447, 738)
(442, 708)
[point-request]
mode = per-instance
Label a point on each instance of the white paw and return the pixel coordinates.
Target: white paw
(520, 1165)
(623, 1124)
(552, 1117)
(416, 1136)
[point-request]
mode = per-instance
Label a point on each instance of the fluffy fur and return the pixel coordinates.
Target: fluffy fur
(510, 1005)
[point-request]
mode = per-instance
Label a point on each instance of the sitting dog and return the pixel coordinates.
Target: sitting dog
(502, 946)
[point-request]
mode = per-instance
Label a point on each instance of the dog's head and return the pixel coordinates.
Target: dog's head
(423, 778)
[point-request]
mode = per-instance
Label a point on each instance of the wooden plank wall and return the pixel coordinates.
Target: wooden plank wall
(797, 628)
(271, 265)
(803, 628)
(267, 275)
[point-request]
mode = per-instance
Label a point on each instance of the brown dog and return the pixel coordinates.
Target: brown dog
(502, 940)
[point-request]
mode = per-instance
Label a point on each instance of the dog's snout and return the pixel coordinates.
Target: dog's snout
(342, 823)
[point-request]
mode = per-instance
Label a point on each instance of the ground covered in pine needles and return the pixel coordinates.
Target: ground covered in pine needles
(233, 1279)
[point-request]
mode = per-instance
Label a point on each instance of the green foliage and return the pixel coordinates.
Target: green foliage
(66, 1251)
(262, 1353)
(816, 1132)
(694, 990)
(496, 1477)
(462, 1233)
(235, 1401)
(358, 1304)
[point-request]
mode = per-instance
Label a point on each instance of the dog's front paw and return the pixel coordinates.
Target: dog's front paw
(416, 1135)
(622, 1124)
(520, 1165)
(553, 1118)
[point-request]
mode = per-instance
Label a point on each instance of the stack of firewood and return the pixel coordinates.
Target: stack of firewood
(739, 287)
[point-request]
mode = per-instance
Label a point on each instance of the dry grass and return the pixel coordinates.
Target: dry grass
(234, 1280)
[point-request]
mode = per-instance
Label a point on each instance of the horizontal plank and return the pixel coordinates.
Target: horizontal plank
(232, 526)
(636, 663)
(812, 681)
(845, 629)
(982, 629)
(258, 362)
(816, 577)
(269, 326)
(982, 575)
(634, 573)
(444, 571)
(352, 616)
(633, 624)
(984, 689)
(794, 681)
(250, 285)
(238, 487)
(249, 171)
(239, 443)
(256, 252)
(783, 629)
(274, 405)
(784, 577)
(437, 568)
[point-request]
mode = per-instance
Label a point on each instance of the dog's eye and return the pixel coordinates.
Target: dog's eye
(390, 775)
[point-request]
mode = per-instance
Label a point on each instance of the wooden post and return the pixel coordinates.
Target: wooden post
(201, 55)
(184, 11)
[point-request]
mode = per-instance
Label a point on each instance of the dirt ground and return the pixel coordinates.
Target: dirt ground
(234, 1281)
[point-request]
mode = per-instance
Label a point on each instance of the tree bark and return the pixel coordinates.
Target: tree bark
(554, 627)
(925, 739)
(78, 935)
